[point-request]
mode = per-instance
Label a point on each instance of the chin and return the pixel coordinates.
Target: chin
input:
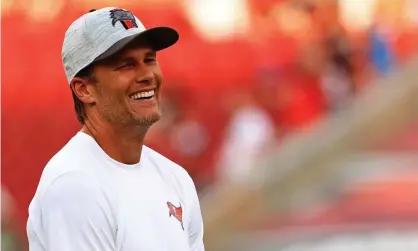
(148, 119)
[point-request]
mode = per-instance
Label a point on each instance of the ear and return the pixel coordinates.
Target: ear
(82, 88)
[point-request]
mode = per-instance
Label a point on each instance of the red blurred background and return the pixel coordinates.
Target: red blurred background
(288, 51)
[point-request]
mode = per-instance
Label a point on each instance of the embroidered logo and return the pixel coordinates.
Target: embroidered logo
(126, 18)
(177, 212)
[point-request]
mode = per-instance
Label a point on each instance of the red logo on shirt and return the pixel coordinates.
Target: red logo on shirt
(177, 212)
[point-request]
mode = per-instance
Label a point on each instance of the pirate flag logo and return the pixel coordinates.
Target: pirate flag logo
(177, 212)
(126, 18)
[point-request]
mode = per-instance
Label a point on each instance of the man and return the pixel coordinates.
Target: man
(104, 190)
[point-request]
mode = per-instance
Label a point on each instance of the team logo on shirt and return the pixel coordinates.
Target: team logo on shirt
(126, 18)
(177, 212)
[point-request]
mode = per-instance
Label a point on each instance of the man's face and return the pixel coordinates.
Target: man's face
(127, 87)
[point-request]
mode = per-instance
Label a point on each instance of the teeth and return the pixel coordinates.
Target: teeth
(143, 94)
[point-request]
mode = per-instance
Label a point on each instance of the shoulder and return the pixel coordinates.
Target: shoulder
(75, 194)
(73, 158)
(165, 163)
(72, 183)
(170, 168)
(74, 199)
(68, 185)
(60, 166)
(67, 171)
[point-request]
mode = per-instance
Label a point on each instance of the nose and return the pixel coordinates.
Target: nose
(145, 76)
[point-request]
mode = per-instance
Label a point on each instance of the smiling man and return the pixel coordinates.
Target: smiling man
(104, 190)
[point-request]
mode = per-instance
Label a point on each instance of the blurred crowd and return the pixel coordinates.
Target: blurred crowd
(296, 62)
(244, 75)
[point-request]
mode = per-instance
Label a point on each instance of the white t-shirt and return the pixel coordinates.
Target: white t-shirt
(87, 201)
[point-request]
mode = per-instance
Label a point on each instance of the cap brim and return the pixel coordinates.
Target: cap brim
(158, 38)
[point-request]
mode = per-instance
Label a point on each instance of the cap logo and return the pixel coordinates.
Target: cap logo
(126, 18)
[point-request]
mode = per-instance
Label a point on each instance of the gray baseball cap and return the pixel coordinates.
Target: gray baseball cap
(101, 33)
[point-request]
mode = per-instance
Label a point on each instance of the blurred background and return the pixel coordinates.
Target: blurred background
(247, 80)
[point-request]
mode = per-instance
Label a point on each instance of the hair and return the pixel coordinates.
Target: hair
(78, 104)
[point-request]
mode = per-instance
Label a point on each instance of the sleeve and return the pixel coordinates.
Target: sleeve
(196, 223)
(77, 216)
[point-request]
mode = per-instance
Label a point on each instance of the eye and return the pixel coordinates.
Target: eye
(149, 60)
(126, 65)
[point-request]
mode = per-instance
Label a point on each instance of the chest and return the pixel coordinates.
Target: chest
(151, 215)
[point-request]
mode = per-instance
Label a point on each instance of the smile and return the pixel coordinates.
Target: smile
(143, 95)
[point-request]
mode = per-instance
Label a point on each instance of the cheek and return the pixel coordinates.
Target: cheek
(111, 88)
(108, 96)
(117, 85)
(122, 81)
(158, 74)
(158, 77)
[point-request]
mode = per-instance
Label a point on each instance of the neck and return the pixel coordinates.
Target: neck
(121, 144)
